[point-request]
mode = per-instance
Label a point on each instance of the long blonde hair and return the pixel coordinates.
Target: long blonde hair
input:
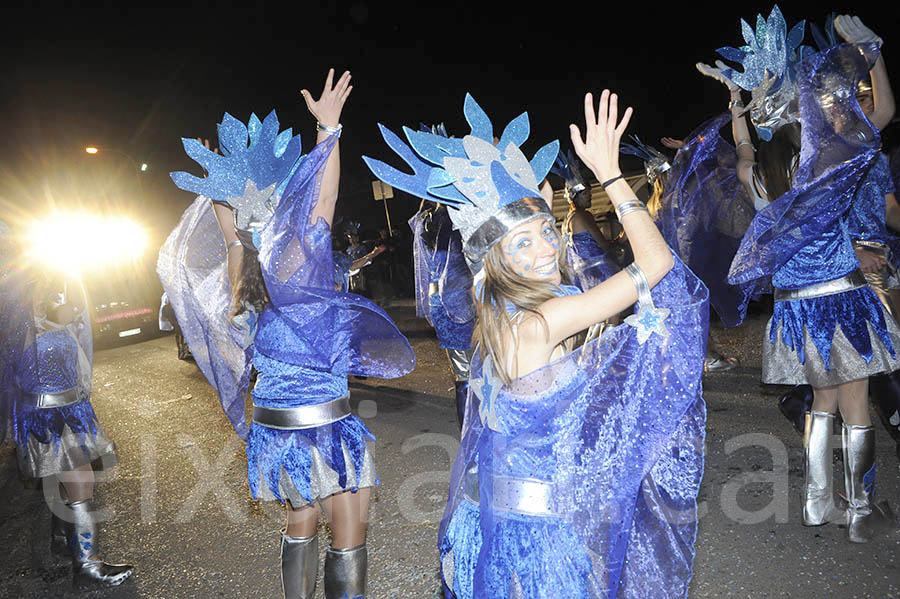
(494, 323)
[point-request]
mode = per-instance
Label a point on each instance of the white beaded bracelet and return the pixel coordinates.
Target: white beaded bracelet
(329, 130)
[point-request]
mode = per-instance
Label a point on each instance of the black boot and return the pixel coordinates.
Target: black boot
(884, 391)
(88, 570)
(795, 404)
(462, 392)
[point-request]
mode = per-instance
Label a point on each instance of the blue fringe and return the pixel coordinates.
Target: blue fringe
(822, 315)
(46, 425)
(269, 450)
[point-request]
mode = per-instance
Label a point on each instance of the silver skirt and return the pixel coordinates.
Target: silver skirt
(323, 481)
(38, 460)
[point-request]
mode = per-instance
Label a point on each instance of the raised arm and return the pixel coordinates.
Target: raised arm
(599, 150)
(854, 31)
(327, 110)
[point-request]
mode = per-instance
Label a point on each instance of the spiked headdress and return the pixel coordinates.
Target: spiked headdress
(567, 167)
(655, 163)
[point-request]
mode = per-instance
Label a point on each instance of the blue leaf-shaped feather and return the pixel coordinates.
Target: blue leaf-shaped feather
(478, 120)
(517, 131)
(543, 160)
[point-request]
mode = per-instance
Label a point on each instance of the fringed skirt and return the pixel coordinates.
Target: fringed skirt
(830, 339)
(54, 440)
(306, 465)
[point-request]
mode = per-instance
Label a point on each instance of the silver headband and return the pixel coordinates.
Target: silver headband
(502, 222)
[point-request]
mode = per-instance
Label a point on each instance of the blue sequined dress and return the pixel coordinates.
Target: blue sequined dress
(580, 479)
(828, 326)
(588, 263)
(304, 343)
(40, 357)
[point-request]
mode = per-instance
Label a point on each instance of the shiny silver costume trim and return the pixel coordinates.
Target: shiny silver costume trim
(303, 417)
(459, 363)
(38, 460)
(345, 572)
(470, 484)
(523, 496)
(88, 570)
(848, 282)
(299, 566)
(501, 222)
(818, 495)
(56, 400)
(859, 460)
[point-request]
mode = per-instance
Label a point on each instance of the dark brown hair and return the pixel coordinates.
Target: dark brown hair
(248, 287)
(776, 159)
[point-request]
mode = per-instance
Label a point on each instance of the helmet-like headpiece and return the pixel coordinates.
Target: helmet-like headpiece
(249, 175)
(567, 167)
(492, 189)
(655, 163)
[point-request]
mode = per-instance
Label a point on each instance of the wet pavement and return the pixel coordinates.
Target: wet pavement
(180, 507)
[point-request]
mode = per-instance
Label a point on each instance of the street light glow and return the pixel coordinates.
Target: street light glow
(79, 242)
(144, 167)
(91, 150)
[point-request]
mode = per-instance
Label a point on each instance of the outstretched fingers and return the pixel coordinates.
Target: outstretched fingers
(328, 82)
(623, 124)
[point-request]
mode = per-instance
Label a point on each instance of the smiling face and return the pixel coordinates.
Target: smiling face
(531, 250)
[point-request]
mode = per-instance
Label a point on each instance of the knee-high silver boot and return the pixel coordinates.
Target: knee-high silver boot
(88, 570)
(345, 573)
(299, 566)
(864, 516)
(818, 497)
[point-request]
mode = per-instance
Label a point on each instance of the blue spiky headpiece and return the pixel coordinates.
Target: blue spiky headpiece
(769, 57)
(567, 167)
(655, 163)
(491, 188)
(254, 167)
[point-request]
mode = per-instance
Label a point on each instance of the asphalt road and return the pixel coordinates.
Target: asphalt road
(180, 506)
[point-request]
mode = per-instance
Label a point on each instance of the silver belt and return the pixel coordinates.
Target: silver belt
(849, 282)
(522, 496)
(303, 416)
(56, 400)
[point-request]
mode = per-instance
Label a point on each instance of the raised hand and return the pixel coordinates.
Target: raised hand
(854, 31)
(327, 109)
(599, 149)
(718, 73)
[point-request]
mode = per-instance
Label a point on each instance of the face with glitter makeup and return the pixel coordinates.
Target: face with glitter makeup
(531, 250)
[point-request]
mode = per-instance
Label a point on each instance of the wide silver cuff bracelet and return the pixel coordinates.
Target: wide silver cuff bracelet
(848, 282)
(303, 416)
(44, 401)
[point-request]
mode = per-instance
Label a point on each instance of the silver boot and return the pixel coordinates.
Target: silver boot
(88, 570)
(345, 573)
(864, 516)
(299, 566)
(818, 498)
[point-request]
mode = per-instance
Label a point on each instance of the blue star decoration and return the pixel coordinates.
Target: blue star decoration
(648, 320)
(486, 389)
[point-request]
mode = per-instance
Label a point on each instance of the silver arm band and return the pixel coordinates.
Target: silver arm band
(234, 243)
(628, 207)
(640, 283)
(330, 130)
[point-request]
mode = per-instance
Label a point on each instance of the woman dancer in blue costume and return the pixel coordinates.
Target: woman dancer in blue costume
(579, 466)
(444, 293)
(46, 359)
(828, 328)
(304, 447)
(589, 254)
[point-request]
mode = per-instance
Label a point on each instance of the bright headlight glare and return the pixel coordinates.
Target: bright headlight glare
(83, 242)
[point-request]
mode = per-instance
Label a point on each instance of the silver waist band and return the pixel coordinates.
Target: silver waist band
(56, 400)
(303, 416)
(848, 282)
(523, 496)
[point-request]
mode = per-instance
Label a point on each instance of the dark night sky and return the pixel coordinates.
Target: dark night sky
(137, 79)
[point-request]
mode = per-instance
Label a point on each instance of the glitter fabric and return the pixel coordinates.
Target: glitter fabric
(613, 432)
(705, 211)
(588, 264)
(867, 213)
(443, 280)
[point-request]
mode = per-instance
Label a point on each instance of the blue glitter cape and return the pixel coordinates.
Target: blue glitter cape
(705, 212)
(616, 429)
(588, 264)
(344, 333)
(451, 309)
(838, 146)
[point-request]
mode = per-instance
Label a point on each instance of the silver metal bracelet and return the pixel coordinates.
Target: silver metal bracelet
(744, 142)
(329, 130)
(629, 207)
(234, 243)
(640, 283)
(647, 319)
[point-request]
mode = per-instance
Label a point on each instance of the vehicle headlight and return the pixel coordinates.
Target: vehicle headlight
(82, 242)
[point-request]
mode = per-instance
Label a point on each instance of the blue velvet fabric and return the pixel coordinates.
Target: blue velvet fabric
(617, 428)
(828, 257)
(705, 211)
(867, 212)
(851, 311)
(588, 264)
